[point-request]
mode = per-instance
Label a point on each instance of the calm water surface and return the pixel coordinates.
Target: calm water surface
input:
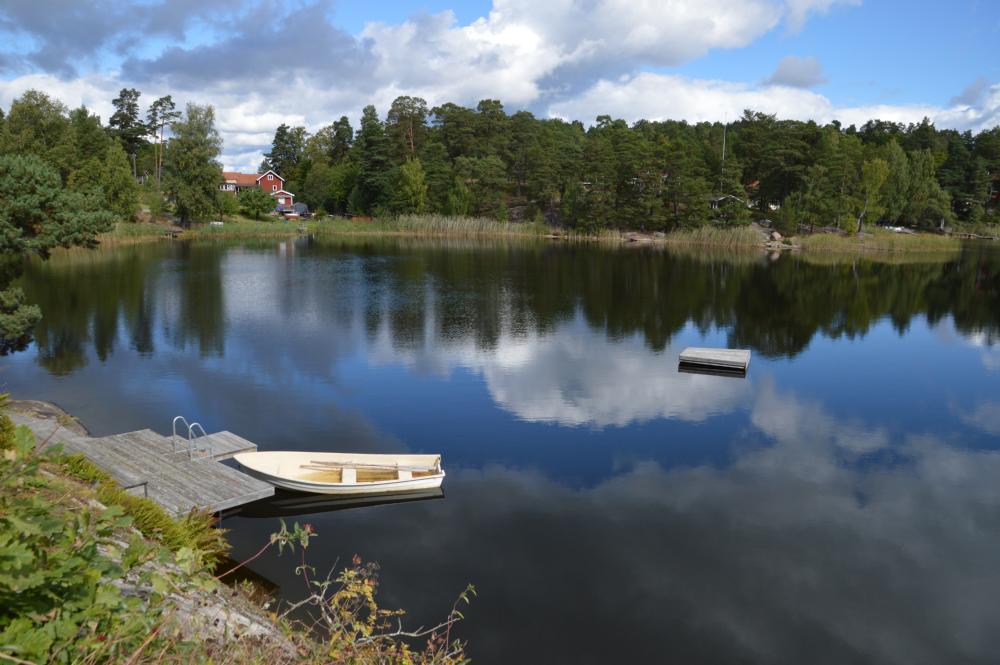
(839, 504)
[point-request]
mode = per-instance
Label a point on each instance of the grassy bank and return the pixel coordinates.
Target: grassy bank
(443, 225)
(92, 574)
(132, 233)
(743, 237)
(879, 241)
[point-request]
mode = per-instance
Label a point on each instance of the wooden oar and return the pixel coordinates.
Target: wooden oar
(318, 465)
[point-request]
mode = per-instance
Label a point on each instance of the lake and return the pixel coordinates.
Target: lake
(841, 503)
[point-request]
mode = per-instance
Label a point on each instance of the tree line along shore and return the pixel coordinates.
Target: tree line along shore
(72, 180)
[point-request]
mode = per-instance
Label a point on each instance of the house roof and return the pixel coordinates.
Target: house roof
(261, 175)
(240, 179)
(281, 191)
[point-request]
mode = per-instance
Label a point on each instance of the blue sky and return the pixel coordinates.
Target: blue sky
(309, 61)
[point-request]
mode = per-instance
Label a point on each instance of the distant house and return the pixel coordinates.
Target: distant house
(717, 202)
(270, 182)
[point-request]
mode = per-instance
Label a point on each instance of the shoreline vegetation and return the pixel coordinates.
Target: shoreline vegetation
(95, 574)
(451, 170)
(752, 236)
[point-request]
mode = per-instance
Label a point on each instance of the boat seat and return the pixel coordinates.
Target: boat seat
(405, 475)
(349, 476)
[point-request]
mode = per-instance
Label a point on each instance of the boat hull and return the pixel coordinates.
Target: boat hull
(284, 469)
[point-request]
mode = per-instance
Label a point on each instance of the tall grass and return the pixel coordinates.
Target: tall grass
(740, 236)
(431, 224)
(243, 227)
(879, 241)
(132, 232)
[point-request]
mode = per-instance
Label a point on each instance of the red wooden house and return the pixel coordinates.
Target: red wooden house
(270, 182)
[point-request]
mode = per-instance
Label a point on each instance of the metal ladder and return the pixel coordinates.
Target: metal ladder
(192, 438)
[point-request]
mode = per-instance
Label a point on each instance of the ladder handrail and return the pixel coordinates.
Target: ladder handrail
(173, 439)
(192, 437)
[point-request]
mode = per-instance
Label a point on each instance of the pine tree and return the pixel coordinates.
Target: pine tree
(38, 214)
(125, 123)
(372, 148)
(406, 127)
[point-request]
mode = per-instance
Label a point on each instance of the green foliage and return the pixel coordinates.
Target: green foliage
(226, 204)
(406, 128)
(151, 196)
(411, 189)
(195, 531)
(192, 172)
(17, 320)
(125, 123)
(481, 161)
(286, 153)
(880, 241)
(56, 602)
(484, 177)
(255, 202)
(37, 214)
(37, 125)
(121, 193)
(89, 137)
(874, 174)
(373, 147)
(108, 178)
(79, 467)
(7, 427)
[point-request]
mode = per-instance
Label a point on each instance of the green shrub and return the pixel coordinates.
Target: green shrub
(79, 467)
(7, 430)
(55, 602)
(196, 530)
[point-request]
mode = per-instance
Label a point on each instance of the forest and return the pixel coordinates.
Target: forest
(67, 176)
(455, 160)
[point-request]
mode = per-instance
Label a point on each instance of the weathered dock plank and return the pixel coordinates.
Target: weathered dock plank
(725, 360)
(226, 444)
(162, 467)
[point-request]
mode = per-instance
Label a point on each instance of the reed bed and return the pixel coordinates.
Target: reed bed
(244, 227)
(879, 241)
(740, 236)
(132, 233)
(430, 225)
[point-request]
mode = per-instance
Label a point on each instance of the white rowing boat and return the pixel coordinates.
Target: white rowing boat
(345, 474)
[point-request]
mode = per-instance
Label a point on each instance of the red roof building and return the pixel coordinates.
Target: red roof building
(270, 182)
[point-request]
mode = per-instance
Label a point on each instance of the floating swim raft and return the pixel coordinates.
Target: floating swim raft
(727, 362)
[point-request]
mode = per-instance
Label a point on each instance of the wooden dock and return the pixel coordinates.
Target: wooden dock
(728, 362)
(156, 466)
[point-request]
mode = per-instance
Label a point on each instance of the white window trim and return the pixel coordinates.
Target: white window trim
(270, 177)
(274, 188)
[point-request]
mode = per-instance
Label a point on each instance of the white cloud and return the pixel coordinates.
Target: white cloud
(660, 96)
(556, 58)
(799, 10)
(797, 72)
(985, 416)
(574, 376)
